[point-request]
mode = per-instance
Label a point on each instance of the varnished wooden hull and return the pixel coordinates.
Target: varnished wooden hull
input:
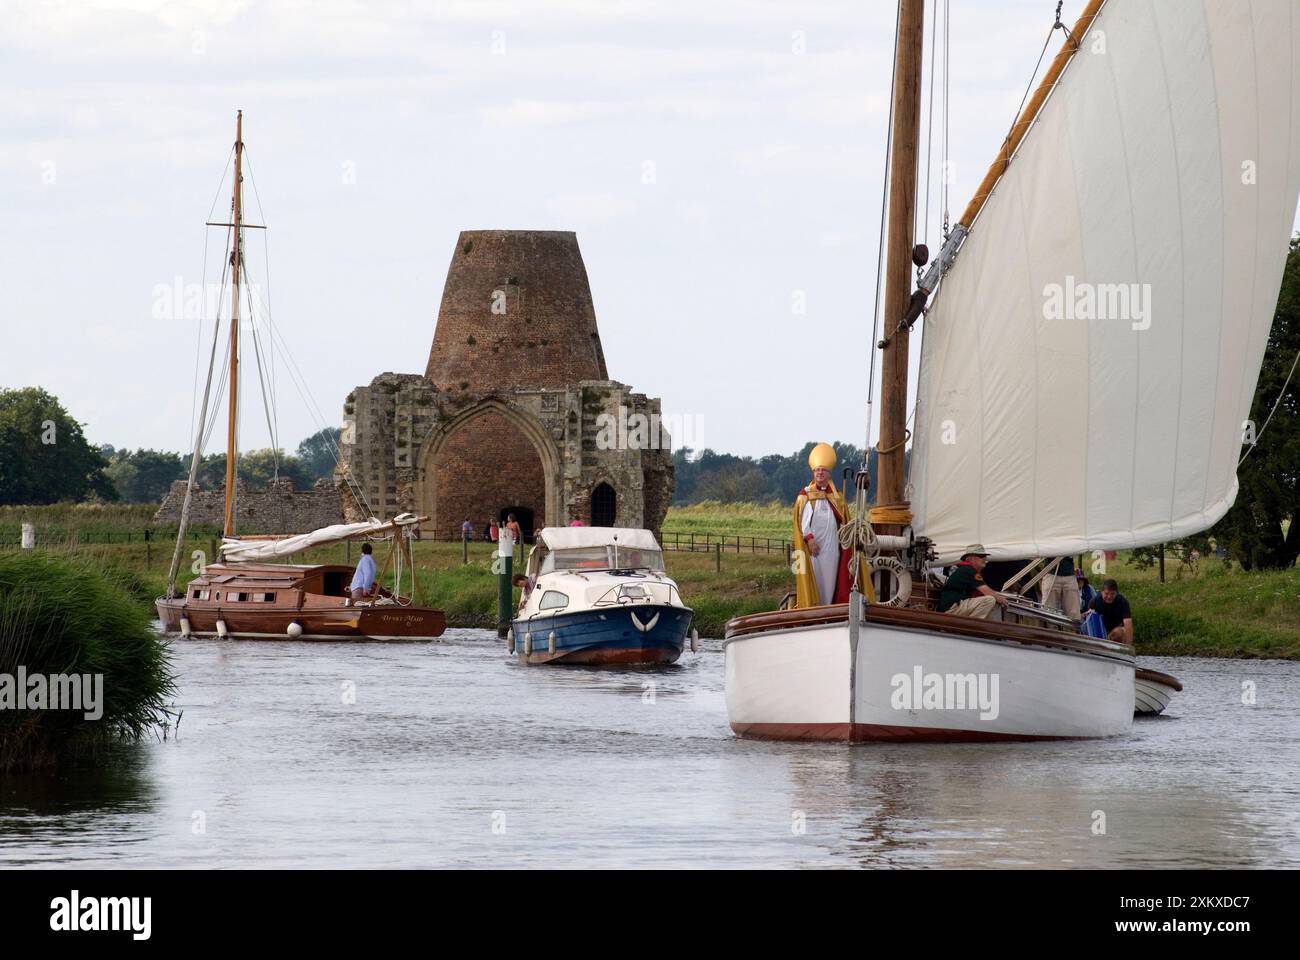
(386, 622)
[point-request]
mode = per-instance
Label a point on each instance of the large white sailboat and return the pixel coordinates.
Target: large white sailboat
(1099, 318)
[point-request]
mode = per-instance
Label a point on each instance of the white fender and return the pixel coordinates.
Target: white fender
(185, 626)
(550, 643)
(294, 629)
(221, 628)
(528, 643)
(695, 640)
(644, 627)
(902, 588)
(510, 641)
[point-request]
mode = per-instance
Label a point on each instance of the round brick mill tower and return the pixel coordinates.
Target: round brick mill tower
(516, 313)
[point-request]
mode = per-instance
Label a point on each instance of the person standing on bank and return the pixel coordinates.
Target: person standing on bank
(363, 580)
(513, 526)
(1061, 589)
(1116, 614)
(965, 594)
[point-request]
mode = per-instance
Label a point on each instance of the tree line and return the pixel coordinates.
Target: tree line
(46, 458)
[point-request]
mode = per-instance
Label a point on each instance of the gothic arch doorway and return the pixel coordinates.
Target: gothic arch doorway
(489, 460)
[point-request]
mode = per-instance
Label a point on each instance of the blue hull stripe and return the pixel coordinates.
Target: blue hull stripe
(609, 628)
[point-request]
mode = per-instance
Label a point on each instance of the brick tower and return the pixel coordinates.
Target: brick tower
(519, 301)
(513, 411)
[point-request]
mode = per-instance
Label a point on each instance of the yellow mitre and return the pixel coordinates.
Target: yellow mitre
(822, 455)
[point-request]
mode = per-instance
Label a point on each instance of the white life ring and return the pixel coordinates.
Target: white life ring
(901, 590)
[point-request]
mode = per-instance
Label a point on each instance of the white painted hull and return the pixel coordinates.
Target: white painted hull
(801, 683)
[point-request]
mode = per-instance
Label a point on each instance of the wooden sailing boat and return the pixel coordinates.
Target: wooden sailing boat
(244, 596)
(1157, 164)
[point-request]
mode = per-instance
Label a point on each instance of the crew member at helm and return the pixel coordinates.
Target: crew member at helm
(821, 568)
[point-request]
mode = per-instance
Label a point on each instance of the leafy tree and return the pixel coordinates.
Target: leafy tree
(1256, 530)
(44, 456)
(256, 468)
(145, 476)
(317, 452)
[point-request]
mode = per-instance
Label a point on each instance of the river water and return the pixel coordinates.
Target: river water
(451, 754)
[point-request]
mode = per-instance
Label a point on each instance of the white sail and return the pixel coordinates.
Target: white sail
(1091, 357)
(243, 551)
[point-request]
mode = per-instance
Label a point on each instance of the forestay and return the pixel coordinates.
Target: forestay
(1091, 357)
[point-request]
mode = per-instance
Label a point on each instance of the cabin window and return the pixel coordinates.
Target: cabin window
(553, 600)
(218, 594)
(196, 594)
(266, 597)
(207, 595)
(238, 596)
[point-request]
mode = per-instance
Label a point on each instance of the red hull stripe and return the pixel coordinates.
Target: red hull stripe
(875, 732)
(626, 655)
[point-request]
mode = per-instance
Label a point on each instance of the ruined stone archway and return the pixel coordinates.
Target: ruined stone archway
(490, 455)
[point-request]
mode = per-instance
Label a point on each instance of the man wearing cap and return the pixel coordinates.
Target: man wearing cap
(822, 574)
(965, 593)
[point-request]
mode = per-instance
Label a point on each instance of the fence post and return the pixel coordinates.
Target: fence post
(717, 557)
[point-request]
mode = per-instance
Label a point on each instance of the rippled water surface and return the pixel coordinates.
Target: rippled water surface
(453, 755)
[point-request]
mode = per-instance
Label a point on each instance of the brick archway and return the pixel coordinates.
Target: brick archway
(490, 416)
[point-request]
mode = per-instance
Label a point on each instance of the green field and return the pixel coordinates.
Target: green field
(1215, 611)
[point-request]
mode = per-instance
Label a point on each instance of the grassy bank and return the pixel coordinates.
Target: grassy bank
(66, 616)
(1215, 612)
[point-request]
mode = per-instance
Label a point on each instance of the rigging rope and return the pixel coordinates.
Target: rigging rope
(266, 265)
(880, 243)
(929, 130)
(1280, 395)
(943, 187)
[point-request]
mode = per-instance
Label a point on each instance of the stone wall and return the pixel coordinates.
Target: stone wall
(277, 509)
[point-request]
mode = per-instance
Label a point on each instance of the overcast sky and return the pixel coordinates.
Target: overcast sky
(720, 161)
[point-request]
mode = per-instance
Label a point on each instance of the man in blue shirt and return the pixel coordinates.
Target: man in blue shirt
(363, 581)
(1116, 614)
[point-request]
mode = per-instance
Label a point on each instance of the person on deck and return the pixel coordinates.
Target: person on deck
(1086, 591)
(965, 594)
(1061, 590)
(363, 580)
(493, 531)
(1115, 612)
(821, 568)
(525, 587)
(467, 530)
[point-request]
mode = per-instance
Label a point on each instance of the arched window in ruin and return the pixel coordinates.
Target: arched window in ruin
(604, 506)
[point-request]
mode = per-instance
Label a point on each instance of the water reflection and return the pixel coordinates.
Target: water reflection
(454, 754)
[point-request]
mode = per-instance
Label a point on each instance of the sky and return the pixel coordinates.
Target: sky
(720, 160)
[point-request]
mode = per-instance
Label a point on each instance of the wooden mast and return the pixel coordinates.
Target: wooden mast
(231, 440)
(905, 136)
